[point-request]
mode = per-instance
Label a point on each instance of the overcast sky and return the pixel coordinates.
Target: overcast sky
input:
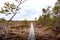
(30, 10)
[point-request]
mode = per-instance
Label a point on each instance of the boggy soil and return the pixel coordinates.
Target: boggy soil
(40, 33)
(21, 33)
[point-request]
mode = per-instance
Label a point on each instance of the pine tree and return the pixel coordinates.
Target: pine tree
(56, 13)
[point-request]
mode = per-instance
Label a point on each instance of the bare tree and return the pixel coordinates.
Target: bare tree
(11, 9)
